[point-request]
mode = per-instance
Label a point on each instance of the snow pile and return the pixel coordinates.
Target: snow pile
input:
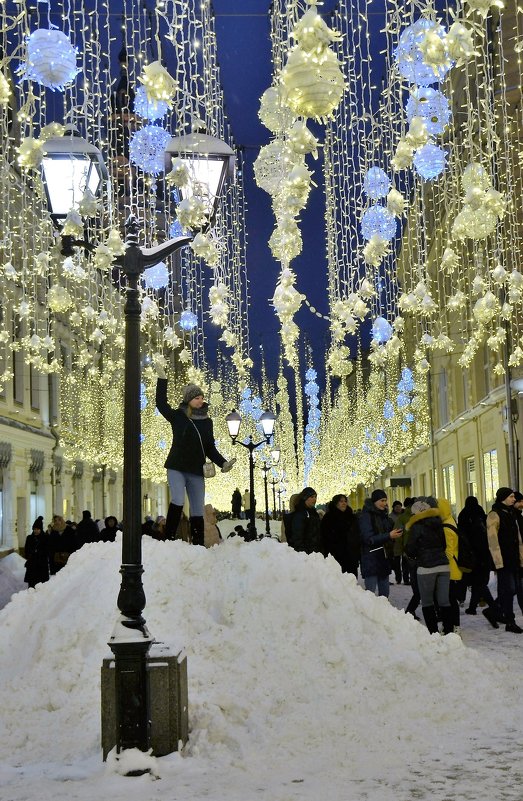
(12, 572)
(286, 656)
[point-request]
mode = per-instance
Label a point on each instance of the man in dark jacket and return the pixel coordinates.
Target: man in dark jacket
(506, 549)
(87, 530)
(306, 535)
(376, 531)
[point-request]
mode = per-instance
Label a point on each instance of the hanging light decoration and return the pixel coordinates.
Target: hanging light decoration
(156, 277)
(376, 183)
(147, 146)
(51, 59)
(148, 108)
(378, 220)
(432, 106)
(188, 320)
(430, 161)
(381, 330)
(409, 56)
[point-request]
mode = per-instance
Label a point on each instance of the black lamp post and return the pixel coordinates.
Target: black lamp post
(275, 456)
(273, 483)
(267, 421)
(130, 641)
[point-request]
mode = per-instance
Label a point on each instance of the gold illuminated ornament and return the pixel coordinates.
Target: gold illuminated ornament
(159, 85)
(5, 90)
(273, 113)
(482, 7)
(312, 80)
(30, 153)
(206, 248)
(59, 299)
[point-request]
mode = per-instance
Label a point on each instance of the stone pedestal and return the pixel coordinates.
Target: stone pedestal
(168, 701)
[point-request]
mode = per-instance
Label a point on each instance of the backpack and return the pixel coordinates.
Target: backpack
(466, 559)
(287, 526)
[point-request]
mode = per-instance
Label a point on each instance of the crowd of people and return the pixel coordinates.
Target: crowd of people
(420, 544)
(48, 548)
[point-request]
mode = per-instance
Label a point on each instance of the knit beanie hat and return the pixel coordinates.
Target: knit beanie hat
(503, 493)
(518, 496)
(308, 492)
(190, 392)
(378, 495)
(420, 506)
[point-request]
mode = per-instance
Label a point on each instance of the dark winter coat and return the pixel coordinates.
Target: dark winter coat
(108, 534)
(306, 534)
(472, 521)
(186, 454)
(426, 543)
(375, 527)
(236, 503)
(61, 546)
(503, 538)
(87, 530)
(37, 559)
(341, 538)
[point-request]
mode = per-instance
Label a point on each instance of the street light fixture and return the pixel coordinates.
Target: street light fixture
(130, 641)
(275, 456)
(267, 421)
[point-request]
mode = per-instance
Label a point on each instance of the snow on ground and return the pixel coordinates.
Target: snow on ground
(301, 685)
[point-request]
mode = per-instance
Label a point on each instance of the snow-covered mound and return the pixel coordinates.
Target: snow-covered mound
(282, 648)
(12, 572)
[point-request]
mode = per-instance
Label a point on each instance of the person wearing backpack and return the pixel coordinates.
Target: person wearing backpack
(427, 546)
(451, 537)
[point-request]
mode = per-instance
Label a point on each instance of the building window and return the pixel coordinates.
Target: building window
(443, 403)
(449, 485)
(471, 480)
(490, 473)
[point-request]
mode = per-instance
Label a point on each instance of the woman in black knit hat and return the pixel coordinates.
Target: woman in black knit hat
(193, 443)
(506, 549)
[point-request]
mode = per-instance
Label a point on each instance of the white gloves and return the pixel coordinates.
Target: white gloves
(228, 465)
(159, 365)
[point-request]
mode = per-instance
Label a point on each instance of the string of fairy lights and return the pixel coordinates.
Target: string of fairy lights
(422, 143)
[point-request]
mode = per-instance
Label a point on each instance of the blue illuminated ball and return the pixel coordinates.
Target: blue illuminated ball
(381, 330)
(432, 106)
(388, 410)
(430, 161)
(51, 59)
(378, 220)
(149, 109)
(376, 183)
(188, 320)
(147, 147)
(156, 277)
(409, 57)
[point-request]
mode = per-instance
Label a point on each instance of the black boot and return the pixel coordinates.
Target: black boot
(197, 531)
(447, 616)
(430, 618)
(172, 520)
(492, 617)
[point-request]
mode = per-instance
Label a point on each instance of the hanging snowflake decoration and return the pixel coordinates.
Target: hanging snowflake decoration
(146, 148)
(5, 90)
(377, 220)
(159, 85)
(410, 59)
(51, 59)
(147, 108)
(376, 183)
(156, 277)
(430, 161)
(273, 113)
(432, 106)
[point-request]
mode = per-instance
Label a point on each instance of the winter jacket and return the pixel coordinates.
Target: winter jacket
(61, 545)
(341, 537)
(187, 454)
(37, 559)
(306, 533)
(426, 543)
(375, 527)
(451, 538)
(503, 537)
(472, 521)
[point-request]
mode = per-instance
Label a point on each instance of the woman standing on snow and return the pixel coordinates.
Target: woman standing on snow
(340, 534)
(193, 443)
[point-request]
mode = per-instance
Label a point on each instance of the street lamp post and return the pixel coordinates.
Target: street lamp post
(273, 483)
(130, 641)
(265, 469)
(267, 421)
